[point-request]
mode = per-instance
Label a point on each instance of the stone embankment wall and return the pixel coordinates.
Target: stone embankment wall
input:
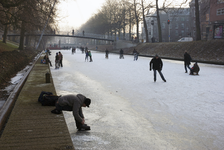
(202, 51)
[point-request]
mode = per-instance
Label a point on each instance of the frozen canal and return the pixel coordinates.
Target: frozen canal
(130, 111)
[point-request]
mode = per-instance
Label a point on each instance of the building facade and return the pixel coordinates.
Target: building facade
(178, 27)
(211, 18)
(183, 22)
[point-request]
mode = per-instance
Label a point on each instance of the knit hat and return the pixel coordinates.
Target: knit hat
(87, 102)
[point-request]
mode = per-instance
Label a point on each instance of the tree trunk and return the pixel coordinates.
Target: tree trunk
(146, 30)
(5, 34)
(145, 24)
(137, 22)
(22, 34)
(130, 25)
(158, 22)
(198, 29)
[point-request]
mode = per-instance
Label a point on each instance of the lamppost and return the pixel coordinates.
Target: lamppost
(168, 22)
(152, 23)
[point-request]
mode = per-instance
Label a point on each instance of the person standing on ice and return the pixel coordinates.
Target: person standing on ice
(57, 61)
(106, 54)
(60, 59)
(187, 61)
(121, 54)
(156, 64)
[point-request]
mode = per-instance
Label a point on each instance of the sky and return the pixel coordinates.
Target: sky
(74, 13)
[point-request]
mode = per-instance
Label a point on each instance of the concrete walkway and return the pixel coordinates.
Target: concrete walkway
(32, 126)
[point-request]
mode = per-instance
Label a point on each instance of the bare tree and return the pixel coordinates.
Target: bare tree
(145, 9)
(198, 29)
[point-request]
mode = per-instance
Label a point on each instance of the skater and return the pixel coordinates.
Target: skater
(107, 53)
(57, 61)
(73, 50)
(60, 59)
(195, 69)
(90, 56)
(187, 61)
(87, 55)
(135, 53)
(156, 64)
(74, 103)
(121, 54)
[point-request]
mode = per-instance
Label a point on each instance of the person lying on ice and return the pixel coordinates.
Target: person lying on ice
(74, 103)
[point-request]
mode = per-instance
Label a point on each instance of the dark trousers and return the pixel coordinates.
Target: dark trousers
(70, 108)
(187, 66)
(160, 73)
(60, 63)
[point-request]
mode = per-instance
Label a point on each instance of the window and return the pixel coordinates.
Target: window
(182, 25)
(182, 32)
(176, 26)
(220, 11)
(176, 33)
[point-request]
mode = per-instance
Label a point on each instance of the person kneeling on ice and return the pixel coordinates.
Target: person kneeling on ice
(195, 69)
(74, 103)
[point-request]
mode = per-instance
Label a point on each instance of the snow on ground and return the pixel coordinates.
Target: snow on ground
(186, 112)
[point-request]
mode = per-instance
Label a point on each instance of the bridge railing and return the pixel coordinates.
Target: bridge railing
(91, 35)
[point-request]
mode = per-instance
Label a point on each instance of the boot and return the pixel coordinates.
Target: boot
(84, 127)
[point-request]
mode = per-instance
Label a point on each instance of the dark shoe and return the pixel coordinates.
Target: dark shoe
(84, 127)
(164, 80)
(55, 111)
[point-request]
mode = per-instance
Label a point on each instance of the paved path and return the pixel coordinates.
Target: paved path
(32, 126)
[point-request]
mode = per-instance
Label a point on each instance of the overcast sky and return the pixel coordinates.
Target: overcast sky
(73, 13)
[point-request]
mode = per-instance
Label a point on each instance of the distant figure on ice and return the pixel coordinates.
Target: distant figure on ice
(187, 61)
(74, 103)
(57, 61)
(90, 56)
(121, 54)
(60, 59)
(87, 55)
(73, 50)
(156, 64)
(135, 53)
(195, 69)
(106, 53)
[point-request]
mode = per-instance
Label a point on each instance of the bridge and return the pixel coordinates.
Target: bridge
(88, 38)
(95, 36)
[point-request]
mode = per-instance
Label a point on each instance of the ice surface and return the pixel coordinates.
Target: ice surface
(131, 111)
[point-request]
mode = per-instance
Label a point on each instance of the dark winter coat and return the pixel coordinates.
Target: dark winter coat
(76, 102)
(156, 64)
(187, 58)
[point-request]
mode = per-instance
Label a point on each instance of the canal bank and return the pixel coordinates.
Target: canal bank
(30, 125)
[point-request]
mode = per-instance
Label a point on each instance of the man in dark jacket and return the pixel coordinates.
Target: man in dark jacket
(74, 103)
(156, 64)
(187, 61)
(121, 54)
